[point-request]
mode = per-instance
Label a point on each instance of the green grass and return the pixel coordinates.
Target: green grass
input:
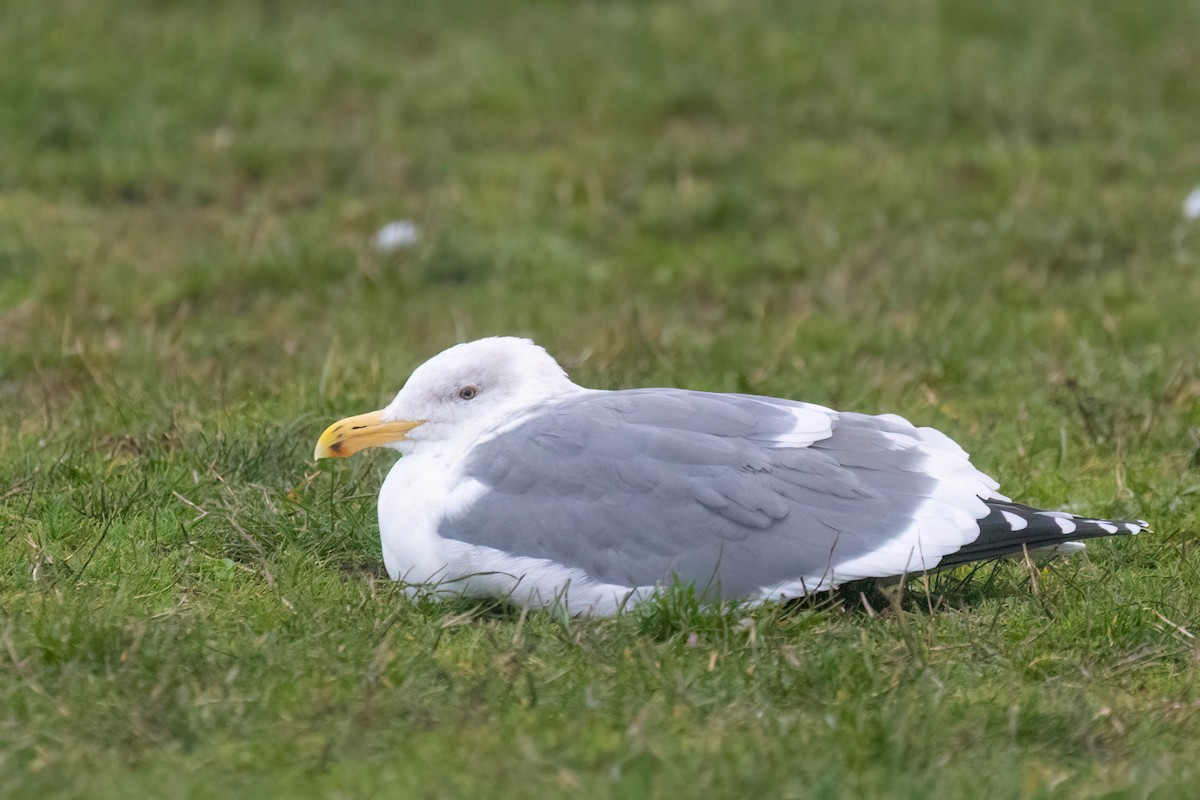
(965, 213)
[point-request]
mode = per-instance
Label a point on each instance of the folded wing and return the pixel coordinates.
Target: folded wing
(737, 494)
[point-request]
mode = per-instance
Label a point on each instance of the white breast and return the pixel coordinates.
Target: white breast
(420, 491)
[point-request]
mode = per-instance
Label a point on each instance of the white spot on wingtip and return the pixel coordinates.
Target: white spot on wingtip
(1133, 527)
(1014, 522)
(1107, 527)
(1066, 525)
(1065, 521)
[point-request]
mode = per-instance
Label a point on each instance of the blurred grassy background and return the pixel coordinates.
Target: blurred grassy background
(965, 213)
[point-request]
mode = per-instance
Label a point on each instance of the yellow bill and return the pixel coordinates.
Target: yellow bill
(346, 437)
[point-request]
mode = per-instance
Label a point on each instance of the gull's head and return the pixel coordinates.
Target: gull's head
(458, 395)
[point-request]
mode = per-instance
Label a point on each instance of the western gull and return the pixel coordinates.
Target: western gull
(516, 483)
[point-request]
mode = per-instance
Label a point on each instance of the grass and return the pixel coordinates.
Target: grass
(964, 213)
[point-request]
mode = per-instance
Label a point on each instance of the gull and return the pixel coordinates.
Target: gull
(516, 483)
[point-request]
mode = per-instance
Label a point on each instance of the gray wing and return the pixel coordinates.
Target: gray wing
(734, 493)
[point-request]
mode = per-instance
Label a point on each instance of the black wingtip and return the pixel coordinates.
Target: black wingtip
(1013, 527)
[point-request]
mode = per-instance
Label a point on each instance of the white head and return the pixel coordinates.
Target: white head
(458, 395)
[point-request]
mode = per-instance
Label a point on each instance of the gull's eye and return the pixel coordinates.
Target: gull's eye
(468, 392)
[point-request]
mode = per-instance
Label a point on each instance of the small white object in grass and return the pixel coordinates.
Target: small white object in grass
(1191, 205)
(397, 236)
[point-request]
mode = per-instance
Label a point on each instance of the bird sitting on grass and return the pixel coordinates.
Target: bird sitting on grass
(516, 483)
